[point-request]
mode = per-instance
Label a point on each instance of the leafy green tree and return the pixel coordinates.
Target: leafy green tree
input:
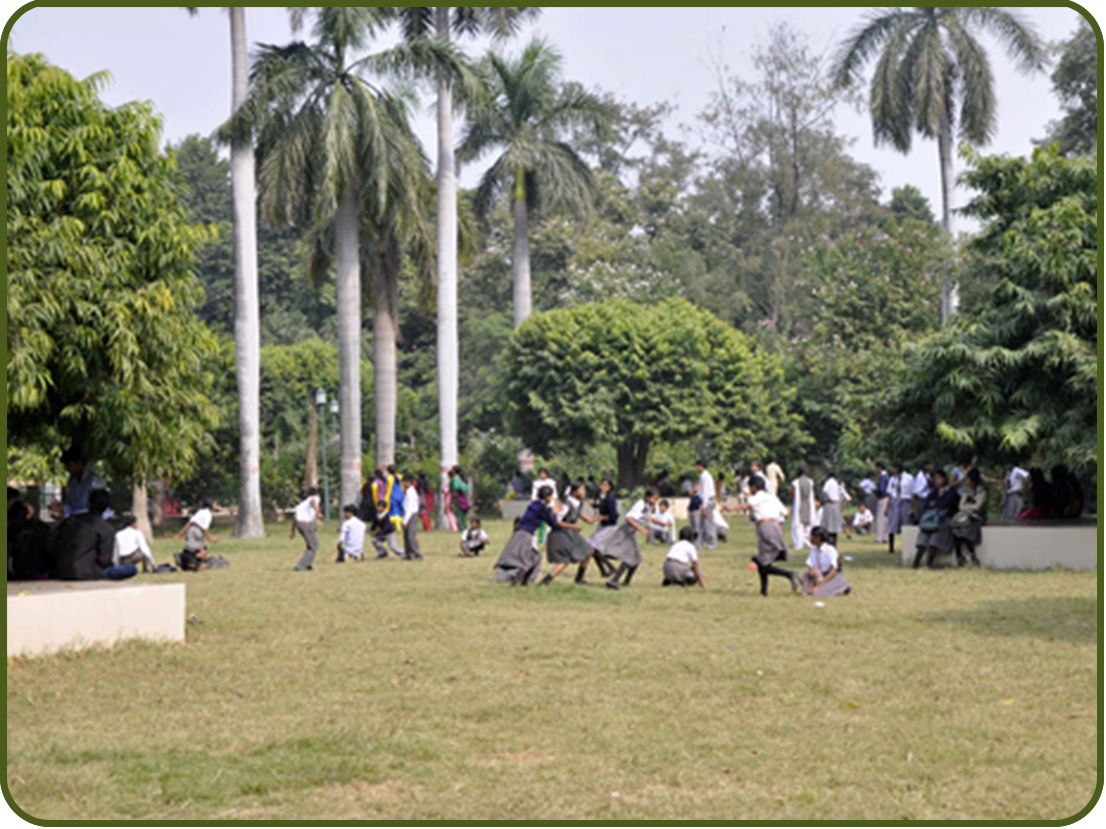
(629, 376)
(907, 202)
(1019, 377)
(1075, 82)
(338, 158)
(104, 345)
(525, 116)
(933, 77)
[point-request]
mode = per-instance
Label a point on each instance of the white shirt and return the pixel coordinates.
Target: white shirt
(867, 486)
(767, 507)
(683, 552)
(352, 536)
(824, 558)
(921, 484)
(474, 538)
(538, 484)
(410, 505)
(640, 512)
(662, 520)
(202, 519)
(831, 490)
(1015, 481)
(305, 511)
(862, 518)
(130, 540)
(906, 486)
(706, 486)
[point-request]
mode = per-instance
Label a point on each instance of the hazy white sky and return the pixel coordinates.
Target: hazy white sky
(645, 55)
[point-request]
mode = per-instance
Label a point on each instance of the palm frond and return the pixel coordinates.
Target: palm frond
(975, 83)
(864, 41)
(1023, 44)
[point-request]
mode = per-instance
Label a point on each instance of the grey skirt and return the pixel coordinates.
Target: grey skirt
(837, 586)
(621, 544)
(519, 562)
(676, 572)
(601, 536)
(941, 538)
(972, 532)
(770, 544)
(194, 540)
(831, 518)
(567, 547)
(1013, 507)
(898, 517)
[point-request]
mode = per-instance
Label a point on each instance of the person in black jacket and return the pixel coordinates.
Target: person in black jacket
(84, 544)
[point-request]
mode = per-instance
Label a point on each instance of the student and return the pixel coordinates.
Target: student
(542, 481)
(520, 563)
(967, 524)
(1013, 500)
(662, 524)
(935, 522)
(695, 515)
(473, 540)
(622, 543)
(767, 511)
(862, 521)
(411, 519)
(395, 488)
(307, 518)
(566, 546)
(802, 509)
(606, 505)
(131, 546)
(708, 530)
(351, 536)
(82, 480)
(833, 495)
(882, 508)
(196, 535)
(923, 484)
(459, 491)
(84, 544)
(681, 566)
(902, 494)
(823, 576)
(426, 500)
(774, 477)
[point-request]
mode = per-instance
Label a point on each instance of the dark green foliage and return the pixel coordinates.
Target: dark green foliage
(907, 202)
(1075, 82)
(1019, 377)
(104, 345)
(629, 376)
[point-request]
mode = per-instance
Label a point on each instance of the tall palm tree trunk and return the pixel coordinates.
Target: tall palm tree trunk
(348, 278)
(247, 314)
(520, 260)
(448, 342)
(950, 293)
(385, 378)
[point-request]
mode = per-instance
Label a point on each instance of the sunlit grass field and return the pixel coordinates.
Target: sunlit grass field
(402, 691)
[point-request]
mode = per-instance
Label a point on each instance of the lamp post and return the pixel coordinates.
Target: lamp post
(320, 401)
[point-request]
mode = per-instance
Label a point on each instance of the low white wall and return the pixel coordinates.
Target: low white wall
(1024, 547)
(48, 616)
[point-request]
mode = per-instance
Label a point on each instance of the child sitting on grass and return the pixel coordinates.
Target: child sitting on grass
(682, 564)
(473, 540)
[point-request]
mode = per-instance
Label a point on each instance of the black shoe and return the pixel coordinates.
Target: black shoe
(584, 583)
(612, 584)
(545, 582)
(379, 556)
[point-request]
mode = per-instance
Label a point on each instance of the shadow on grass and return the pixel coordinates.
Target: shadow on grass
(1051, 618)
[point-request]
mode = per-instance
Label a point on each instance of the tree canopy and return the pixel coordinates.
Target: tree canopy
(1075, 82)
(104, 345)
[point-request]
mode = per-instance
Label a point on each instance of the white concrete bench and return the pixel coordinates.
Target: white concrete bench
(45, 616)
(1025, 546)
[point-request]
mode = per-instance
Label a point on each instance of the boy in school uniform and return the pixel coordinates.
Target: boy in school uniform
(308, 516)
(708, 530)
(131, 546)
(351, 536)
(411, 505)
(473, 540)
(662, 524)
(681, 566)
(695, 515)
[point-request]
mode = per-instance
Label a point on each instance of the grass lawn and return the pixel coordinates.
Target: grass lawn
(400, 691)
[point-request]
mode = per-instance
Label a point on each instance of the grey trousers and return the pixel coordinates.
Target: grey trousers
(411, 539)
(378, 543)
(311, 539)
(707, 528)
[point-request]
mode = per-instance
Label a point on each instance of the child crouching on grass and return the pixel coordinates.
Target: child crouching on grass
(682, 564)
(473, 540)
(823, 576)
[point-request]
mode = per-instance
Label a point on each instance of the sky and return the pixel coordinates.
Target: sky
(644, 55)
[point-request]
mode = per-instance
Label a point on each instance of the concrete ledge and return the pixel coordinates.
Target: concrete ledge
(1025, 547)
(46, 616)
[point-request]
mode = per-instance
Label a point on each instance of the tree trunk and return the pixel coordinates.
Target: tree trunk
(311, 456)
(159, 503)
(448, 343)
(348, 277)
(247, 314)
(633, 454)
(950, 291)
(520, 255)
(384, 377)
(140, 506)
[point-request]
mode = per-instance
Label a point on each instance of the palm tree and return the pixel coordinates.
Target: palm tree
(335, 150)
(933, 76)
(525, 114)
(421, 22)
(249, 521)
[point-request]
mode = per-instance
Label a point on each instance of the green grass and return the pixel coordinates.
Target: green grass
(401, 691)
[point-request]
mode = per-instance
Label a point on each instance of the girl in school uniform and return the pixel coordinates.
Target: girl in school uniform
(566, 546)
(833, 496)
(823, 576)
(681, 566)
(935, 524)
(520, 562)
(622, 543)
(768, 512)
(606, 505)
